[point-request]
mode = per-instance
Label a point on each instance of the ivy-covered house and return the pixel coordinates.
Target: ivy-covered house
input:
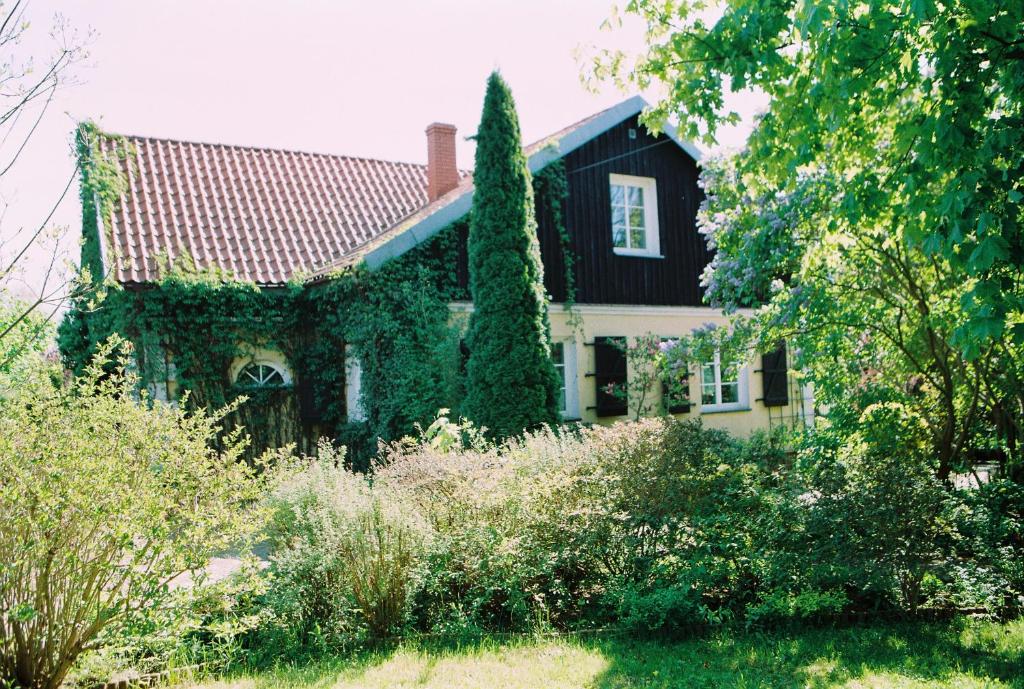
(332, 291)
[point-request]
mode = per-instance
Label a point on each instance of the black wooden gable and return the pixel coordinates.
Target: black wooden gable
(602, 276)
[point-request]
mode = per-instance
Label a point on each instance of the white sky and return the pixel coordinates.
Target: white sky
(339, 76)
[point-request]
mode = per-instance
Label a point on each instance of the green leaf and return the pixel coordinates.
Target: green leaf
(24, 612)
(991, 249)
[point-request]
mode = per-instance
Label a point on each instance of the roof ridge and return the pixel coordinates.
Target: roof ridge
(581, 121)
(250, 147)
(455, 203)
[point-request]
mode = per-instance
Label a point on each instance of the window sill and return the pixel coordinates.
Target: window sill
(635, 254)
(722, 408)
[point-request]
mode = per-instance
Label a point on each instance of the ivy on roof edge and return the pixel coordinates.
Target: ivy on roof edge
(194, 324)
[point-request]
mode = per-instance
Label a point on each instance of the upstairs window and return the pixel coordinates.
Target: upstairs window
(261, 375)
(634, 209)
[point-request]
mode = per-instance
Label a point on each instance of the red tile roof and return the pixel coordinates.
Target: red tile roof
(268, 215)
(260, 214)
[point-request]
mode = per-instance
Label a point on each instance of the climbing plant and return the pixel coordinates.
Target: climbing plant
(192, 327)
(396, 322)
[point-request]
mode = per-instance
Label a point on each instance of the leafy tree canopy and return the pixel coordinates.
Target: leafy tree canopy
(916, 106)
(875, 213)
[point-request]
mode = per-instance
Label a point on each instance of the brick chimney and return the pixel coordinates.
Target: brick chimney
(442, 174)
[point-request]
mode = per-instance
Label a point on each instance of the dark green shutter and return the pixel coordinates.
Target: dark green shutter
(310, 407)
(774, 377)
(610, 369)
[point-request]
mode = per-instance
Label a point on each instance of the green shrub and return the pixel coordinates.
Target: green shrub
(668, 609)
(204, 624)
(671, 506)
(497, 563)
(106, 500)
(652, 523)
(345, 554)
(657, 526)
(876, 517)
(808, 605)
(510, 380)
(987, 568)
(462, 493)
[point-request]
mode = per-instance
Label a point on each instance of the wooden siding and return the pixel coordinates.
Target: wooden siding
(603, 277)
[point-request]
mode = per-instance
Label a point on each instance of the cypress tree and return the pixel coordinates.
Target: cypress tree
(512, 384)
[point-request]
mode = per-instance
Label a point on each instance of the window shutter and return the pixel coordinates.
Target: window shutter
(310, 408)
(610, 369)
(775, 378)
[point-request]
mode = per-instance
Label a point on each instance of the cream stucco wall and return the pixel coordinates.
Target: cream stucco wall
(592, 321)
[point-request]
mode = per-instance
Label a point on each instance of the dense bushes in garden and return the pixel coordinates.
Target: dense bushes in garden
(655, 526)
(652, 526)
(105, 504)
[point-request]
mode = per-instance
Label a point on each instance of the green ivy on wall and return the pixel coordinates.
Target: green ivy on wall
(193, 325)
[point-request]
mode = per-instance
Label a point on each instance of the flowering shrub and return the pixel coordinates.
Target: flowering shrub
(657, 525)
(345, 554)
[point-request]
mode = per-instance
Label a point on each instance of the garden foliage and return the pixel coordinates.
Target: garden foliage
(346, 554)
(105, 503)
(655, 526)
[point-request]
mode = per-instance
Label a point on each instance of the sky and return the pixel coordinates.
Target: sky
(360, 78)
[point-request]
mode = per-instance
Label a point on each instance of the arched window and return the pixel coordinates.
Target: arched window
(261, 375)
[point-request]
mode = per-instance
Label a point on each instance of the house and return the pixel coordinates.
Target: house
(621, 251)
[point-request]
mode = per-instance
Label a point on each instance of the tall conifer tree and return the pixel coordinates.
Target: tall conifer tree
(512, 385)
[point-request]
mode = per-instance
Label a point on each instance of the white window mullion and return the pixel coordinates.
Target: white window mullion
(719, 383)
(718, 378)
(634, 196)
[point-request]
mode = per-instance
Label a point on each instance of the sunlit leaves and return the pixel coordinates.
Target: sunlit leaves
(926, 96)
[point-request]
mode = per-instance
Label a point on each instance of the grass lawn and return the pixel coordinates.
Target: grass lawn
(961, 654)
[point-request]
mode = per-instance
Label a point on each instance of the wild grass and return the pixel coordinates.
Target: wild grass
(961, 654)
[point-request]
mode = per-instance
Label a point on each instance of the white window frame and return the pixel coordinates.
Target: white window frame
(653, 236)
(572, 388)
(742, 402)
(286, 376)
(353, 387)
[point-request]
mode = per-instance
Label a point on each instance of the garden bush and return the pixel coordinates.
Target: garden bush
(106, 501)
(875, 518)
(345, 554)
(986, 568)
(199, 628)
(490, 566)
(655, 526)
(586, 526)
